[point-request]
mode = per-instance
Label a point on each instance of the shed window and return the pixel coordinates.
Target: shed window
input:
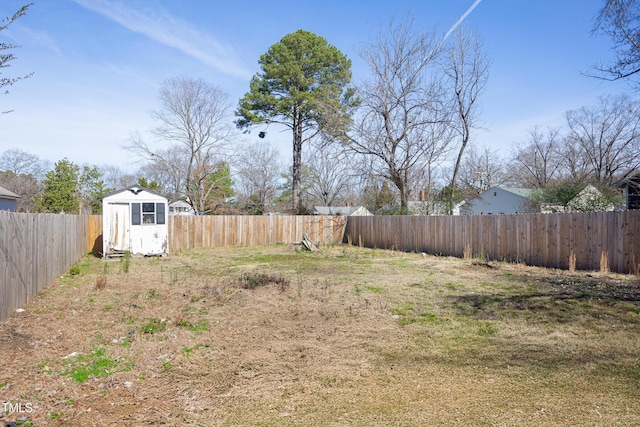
(148, 213)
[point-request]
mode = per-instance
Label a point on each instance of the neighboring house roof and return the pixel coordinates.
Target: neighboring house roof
(179, 204)
(6, 194)
(632, 180)
(341, 210)
(522, 192)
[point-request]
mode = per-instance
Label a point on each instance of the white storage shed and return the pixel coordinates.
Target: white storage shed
(134, 220)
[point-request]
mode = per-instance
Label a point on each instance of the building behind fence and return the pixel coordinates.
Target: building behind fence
(591, 240)
(34, 248)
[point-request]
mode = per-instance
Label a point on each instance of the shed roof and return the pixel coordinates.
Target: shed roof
(135, 190)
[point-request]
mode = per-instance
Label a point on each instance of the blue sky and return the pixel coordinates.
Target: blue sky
(98, 64)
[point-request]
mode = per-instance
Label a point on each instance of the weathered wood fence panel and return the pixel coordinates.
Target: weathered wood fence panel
(34, 248)
(546, 240)
(245, 230)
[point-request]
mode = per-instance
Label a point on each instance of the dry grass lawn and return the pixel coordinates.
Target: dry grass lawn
(268, 336)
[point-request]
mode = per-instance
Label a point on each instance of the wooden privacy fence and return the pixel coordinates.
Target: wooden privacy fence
(34, 248)
(246, 230)
(548, 240)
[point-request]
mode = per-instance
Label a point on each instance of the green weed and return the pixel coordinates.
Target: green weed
(201, 326)
(487, 329)
(153, 294)
(125, 262)
(404, 308)
(96, 364)
(256, 280)
(153, 326)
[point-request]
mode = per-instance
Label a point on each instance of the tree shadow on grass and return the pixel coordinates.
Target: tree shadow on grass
(550, 299)
(571, 324)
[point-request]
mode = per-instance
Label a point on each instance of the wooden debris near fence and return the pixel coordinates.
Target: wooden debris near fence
(306, 244)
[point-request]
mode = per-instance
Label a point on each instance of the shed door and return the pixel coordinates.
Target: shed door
(119, 223)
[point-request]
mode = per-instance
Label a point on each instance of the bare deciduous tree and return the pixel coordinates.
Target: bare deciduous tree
(195, 117)
(467, 67)
(481, 170)
(403, 115)
(5, 58)
(609, 136)
(620, 20)
(115, 178)
(576, 168)
(259, 170)
(22, 173)
(330, 174)
(539, 161)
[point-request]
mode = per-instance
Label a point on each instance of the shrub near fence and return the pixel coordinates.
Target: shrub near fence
(547, 240)
(34, 248)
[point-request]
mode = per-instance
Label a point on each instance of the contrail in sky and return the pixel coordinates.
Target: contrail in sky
(459, 21)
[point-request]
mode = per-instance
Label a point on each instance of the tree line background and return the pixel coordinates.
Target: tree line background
(405, 132)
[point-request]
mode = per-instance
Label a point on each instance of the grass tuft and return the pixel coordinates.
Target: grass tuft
(96, 364)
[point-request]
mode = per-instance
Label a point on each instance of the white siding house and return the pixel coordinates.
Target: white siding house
(134, 220)
(499, 200)
(180, 207)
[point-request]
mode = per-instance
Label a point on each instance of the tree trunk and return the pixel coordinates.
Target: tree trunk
(297, 165)
(454, 178)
